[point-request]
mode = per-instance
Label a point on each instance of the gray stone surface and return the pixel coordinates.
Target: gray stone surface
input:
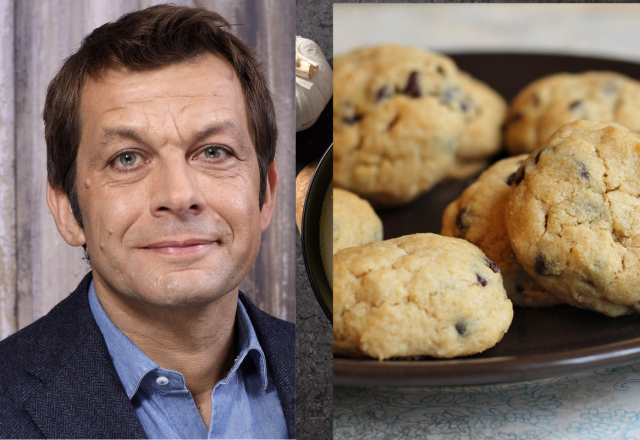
(314, 360)
(314, 20)
(314, 335)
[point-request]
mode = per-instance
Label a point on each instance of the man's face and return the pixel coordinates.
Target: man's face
(168, 183)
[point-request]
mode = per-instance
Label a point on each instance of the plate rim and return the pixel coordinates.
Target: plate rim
(304, 236)
(505, 369)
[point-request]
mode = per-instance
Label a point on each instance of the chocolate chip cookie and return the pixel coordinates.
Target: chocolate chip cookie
(550, 102)
(399, 115)
(478, 217)
(481, 137)
(354, 221)
(417, 295)
(573, 216)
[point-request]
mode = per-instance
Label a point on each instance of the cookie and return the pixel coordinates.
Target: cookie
(478, 217)
(399, 114)
(355, 223)
(573, 216)
(482, 136)
(553, 101)
(417, 295)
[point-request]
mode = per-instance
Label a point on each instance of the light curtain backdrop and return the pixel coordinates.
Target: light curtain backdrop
(37, 267)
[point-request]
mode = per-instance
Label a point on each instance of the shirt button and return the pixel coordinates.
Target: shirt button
(162, 380)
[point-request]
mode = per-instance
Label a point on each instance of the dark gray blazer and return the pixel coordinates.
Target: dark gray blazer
(57, 379)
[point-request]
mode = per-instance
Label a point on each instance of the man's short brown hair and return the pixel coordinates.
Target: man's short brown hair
(150, 39)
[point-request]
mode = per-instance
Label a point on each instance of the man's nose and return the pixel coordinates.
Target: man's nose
(175, 189)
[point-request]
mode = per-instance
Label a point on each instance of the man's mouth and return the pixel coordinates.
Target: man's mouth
(181, 247)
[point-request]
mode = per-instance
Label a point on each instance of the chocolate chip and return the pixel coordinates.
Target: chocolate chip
(536, 99)
(574, 104)
(467, 104)
(481, 280)
(382, 93)
(541, 265)
(519, 175)
(520, 288)
(449, 94)
(584, 172)
(493, 266)
(352, 119)
(516, 117)
(460, 220)
(441, 71)
(461, 329)
(413, 86)
(511, 178)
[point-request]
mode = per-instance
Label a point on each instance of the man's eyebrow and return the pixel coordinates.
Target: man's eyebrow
(112, 133)
(217, 127)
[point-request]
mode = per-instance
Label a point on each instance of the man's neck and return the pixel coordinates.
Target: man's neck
(199, 342)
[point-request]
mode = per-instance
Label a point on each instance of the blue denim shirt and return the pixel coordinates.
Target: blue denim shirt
(243, 405)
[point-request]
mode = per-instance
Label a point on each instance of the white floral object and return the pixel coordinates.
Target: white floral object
(314, 83)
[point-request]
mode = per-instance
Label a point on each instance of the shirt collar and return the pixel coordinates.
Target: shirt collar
(132, 364)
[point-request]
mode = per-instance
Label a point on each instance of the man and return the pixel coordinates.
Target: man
(160, 136)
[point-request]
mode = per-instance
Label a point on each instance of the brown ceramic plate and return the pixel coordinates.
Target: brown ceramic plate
(540, 342)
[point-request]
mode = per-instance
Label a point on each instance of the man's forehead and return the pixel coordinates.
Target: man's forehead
(194, 90)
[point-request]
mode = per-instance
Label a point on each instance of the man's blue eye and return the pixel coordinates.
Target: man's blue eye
(212, 153)
(128, 159)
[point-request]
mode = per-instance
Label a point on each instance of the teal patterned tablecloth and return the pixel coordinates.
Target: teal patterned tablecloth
(604, 404)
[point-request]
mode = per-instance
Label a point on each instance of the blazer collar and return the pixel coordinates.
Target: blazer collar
(78, 393)
(277, 339)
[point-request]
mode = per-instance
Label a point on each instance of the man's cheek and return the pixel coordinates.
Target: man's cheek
(249, 186)
(112, 222)
(239, 209)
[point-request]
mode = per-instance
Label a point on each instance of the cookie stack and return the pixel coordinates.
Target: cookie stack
(563, 223)
(404, 119)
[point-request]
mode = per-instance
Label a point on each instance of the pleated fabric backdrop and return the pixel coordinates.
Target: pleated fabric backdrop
(37, 267)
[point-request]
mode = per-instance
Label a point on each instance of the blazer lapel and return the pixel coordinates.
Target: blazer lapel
(78, 393)
(277, 339)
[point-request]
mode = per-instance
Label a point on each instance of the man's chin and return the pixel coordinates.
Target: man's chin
(186, 288)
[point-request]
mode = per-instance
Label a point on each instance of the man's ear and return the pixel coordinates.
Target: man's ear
(269, 203)
(65, 221)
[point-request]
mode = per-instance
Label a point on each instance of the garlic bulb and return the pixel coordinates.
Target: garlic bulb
(314, 83)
